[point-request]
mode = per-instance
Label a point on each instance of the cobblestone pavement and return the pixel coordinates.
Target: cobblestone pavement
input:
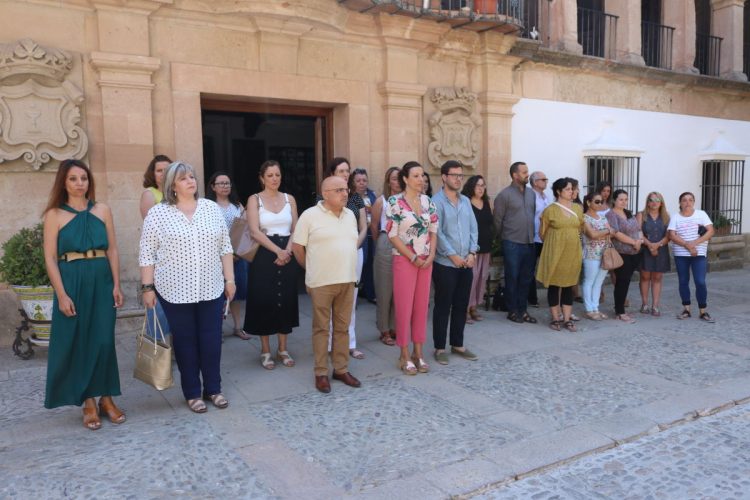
(708, 458)
(608, 412)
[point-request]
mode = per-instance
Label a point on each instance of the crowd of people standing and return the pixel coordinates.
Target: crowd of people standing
(395, 250)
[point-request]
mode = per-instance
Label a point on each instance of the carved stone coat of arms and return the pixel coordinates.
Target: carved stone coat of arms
(454, 128)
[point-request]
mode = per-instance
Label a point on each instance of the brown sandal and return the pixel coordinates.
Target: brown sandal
(110, 409)
(91, 418)
(385, 337)
(555, 325)
(570, 326)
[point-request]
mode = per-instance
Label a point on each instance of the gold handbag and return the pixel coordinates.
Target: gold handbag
(153, 358)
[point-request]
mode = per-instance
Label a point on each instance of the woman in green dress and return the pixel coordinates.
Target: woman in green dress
(80, 252)
(561, 258)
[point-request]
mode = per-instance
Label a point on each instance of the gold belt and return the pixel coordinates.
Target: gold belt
(88, 254)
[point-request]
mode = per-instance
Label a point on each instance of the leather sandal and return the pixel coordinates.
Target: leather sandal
(91, 418)
(555, 325)
(570, 326)
(218, 400)
(475, 315)
(356, 354)
(422, 366)
(239, 332)
(110, 409)
(385, 338)
(266, 361)
(285, 358)
(197, 405)
(407, 366)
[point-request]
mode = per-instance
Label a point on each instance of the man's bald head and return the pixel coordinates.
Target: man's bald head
(335, 193)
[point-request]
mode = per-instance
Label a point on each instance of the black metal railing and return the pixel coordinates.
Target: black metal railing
(509, 8)
(722, 189)
(536, 20)
(746, 58)
(708, 54)
(656, 44)
(597, 33)
(622, 172)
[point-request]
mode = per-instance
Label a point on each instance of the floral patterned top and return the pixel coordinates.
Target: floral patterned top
(414, 230)
(593, 249)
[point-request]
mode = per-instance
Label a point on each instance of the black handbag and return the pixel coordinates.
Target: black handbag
(701, 230)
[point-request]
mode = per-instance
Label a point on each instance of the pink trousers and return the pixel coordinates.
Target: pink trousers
(411, 298)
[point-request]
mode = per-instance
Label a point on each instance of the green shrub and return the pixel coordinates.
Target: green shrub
(22, 262)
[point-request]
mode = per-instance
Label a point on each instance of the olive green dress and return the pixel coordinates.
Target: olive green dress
(82, 362)
(561, 258)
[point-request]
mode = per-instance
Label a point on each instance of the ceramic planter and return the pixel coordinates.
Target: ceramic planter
(37, 304)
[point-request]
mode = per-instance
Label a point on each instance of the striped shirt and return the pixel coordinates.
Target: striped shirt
(687, 229)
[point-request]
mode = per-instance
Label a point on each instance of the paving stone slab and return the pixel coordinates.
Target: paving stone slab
(670, 359)
(383, 431)
(708, 458)
(152, 458)
(551, 388)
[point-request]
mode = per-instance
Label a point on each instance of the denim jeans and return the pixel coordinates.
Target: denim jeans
(160, 316)
(698, 265)
(518, 261)
(593, 277)
(196, 339)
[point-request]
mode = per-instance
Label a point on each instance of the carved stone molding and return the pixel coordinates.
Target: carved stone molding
(40, 108)
(454, 127)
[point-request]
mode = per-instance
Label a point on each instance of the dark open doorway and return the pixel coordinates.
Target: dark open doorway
(239, 136)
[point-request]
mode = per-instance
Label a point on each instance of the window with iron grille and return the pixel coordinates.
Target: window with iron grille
(622, 172)
(723, 181)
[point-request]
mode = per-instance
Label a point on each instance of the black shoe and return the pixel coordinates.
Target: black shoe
(515, 318)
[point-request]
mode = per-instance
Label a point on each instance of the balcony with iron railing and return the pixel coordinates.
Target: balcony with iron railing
(597, 33)
(656, 44)
(505, 16)
(708, 54)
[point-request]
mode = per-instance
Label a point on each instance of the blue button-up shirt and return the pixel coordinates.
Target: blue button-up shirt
(457, 231)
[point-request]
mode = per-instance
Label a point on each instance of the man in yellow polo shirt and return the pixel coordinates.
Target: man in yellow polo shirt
(325, 244)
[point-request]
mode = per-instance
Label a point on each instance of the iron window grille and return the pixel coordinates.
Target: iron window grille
(623, 172)
(723, 182)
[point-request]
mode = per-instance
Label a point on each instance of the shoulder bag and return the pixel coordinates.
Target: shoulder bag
(611, 258)
(153, 358)
(245, 247)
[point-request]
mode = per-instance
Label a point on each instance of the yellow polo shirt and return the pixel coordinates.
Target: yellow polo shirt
(330, 243)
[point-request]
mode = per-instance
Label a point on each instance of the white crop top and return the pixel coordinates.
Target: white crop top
(275, 223)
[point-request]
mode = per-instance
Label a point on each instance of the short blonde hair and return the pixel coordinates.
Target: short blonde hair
(175, 171)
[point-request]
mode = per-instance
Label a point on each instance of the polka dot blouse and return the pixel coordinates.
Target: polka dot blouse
(186, 255)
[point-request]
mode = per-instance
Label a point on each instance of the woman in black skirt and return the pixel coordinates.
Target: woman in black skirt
(272, 279)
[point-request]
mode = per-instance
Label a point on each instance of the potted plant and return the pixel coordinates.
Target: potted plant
(22, 267)
(485, 6)
(723, 224)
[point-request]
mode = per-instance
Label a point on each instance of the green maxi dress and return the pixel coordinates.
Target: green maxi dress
(82, 362)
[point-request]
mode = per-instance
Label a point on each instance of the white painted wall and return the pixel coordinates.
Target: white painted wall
(551, 136)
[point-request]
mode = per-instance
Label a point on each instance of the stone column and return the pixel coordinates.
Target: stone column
(727, 23)
(681, 15)
(564, 26)
(628, 30)
(125, 82)
(402, 106)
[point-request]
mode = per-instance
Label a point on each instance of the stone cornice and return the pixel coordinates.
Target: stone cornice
(533, 52)
(497, 103)
(723, 4)
(124, 70)
(144, 7)
(402, 95)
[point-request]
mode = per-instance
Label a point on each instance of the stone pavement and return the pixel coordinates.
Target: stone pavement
(614, 411)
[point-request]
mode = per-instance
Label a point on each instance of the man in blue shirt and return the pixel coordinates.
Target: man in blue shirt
(452, 270)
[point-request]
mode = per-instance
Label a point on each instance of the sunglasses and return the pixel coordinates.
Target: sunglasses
(654, 200)
(597, 202)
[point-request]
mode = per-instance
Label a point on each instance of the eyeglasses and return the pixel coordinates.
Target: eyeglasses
(338, 190)
(543, 180)
(654, 200)
(456, 176)
(597, 202)
(223, 184)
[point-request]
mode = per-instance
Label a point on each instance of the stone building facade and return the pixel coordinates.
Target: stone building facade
(226, 83)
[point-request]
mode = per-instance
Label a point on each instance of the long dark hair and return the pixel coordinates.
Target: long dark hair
(429, 184)
(59, 195)
(387, 183)
(588, 199)
(234, 199)
(471, 185)
(559, 185)
(149, 178)
(574, 185)
(618, 192)
(600, 186)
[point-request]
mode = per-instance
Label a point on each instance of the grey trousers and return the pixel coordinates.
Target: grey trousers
(383, 276)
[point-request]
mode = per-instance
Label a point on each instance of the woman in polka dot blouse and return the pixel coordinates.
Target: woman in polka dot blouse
(186, 262)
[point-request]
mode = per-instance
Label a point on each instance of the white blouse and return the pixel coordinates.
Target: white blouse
(186, 254)
(230, 213)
